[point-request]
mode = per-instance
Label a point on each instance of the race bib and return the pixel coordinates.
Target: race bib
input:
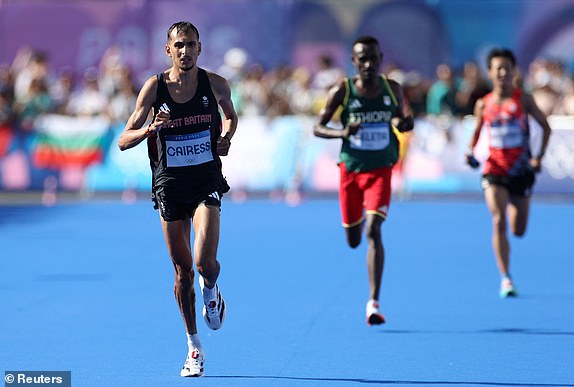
(507, 135)
(371, 136)
(188, 149)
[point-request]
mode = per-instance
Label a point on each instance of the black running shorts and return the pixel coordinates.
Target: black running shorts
(520, 185)
(174, 207)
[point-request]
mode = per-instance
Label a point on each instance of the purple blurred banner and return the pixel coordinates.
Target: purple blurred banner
(76, 35)
(415, 34)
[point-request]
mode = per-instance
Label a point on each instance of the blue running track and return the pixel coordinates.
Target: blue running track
(88, 287)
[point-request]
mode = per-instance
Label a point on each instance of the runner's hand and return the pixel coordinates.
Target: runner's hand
(351, 129)
(161, 118)
(223, 144)
(406, 124)
(472, 161)
(535, 165)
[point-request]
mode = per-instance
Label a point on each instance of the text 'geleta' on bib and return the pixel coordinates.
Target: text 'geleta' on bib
(371, 136)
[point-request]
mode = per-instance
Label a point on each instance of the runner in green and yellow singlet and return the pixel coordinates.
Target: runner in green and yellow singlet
(372, 110)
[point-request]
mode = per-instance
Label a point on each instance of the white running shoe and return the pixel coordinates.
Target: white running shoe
(507, 288)
(193, 366)
(213, 310)
(374, 317)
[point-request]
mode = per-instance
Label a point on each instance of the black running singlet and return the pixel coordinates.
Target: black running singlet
(183, 155)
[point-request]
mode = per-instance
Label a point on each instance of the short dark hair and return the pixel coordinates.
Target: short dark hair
(182, 26)
(501, 53)
(366, 39)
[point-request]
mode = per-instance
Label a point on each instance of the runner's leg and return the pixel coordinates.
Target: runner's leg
(497, 199)
(518, 211)
(206, 224)
(375, 254)
(177, 237)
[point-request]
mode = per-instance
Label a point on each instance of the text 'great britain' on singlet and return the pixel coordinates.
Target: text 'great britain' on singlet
(375, 145)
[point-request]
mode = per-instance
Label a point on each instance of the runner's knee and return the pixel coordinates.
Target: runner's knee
(519, 231)
(353, 236)
(374, 232)
(499, 222)
(208, 268)
(353, 243)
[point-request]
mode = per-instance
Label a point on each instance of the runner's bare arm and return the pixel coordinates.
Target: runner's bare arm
(335, 99)
(533, 109)
(133, 132)
(222, 93)
(478, 110)
(469, 154)
(402, 119)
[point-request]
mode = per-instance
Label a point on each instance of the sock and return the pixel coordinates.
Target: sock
(193, 341)
(372, 305)
(209, 293)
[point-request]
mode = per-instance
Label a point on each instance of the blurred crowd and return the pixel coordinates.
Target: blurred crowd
(454, 91)
(29, 88)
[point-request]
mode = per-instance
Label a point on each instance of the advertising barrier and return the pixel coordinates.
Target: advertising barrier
(278, 155)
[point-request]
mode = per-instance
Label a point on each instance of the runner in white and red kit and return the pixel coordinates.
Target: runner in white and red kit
(509, 171)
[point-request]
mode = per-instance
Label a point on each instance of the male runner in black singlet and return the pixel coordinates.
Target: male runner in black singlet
(185, 141)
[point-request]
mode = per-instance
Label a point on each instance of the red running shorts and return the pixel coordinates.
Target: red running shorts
(364, 191)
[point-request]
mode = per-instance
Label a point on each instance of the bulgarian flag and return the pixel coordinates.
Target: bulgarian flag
(66, 141)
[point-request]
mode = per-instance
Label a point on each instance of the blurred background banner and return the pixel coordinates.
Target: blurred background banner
(70, 72)
(417, 34)
(278, 156)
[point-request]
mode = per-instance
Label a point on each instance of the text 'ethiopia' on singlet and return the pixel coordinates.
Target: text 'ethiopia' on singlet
(506, 124)
(375, 145)
(183, 155)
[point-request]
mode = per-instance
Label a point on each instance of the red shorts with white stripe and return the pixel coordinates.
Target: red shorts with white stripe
(364, 191)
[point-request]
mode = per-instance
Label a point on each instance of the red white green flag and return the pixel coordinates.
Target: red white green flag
(64, 141)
